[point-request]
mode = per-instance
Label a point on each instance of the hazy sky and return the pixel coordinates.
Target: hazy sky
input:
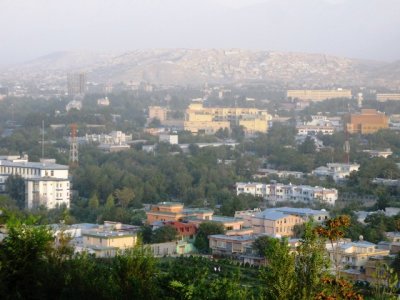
(353, 28)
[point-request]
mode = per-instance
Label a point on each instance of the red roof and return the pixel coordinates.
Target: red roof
(184, 229)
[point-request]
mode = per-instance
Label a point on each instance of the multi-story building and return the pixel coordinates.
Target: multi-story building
(114, 138)
(246, 215)
(318, 95)
(158, 112)
(275, 223)
(263, 173)
(368, 121)
(174, 211)
(46, 183)
(171, 139)
(306, 214)
(278, 192)
(338, 171)
(210, 119)
(379, 153)
(381, 97)
(76, 84)
(314, 130)
(354, 255)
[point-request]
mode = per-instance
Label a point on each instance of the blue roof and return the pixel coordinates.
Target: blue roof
(271, 215)
(299, 211)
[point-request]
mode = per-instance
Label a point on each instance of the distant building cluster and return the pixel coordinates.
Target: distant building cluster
(279, 192)
(318, 95)
(46, 183)
(383, 97)
(208, 120)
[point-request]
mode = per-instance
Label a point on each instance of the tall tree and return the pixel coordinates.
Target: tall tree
(15, 187)
(205, 229)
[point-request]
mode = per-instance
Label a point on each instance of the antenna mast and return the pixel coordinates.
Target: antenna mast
(42, 138)
(346, 146)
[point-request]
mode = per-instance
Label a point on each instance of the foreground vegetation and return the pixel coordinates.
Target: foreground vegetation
(35, 266)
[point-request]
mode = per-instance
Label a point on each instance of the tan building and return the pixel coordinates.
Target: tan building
(106, 243)
(368, 121)
(388, 97)
(174, 211)
(275, 223)
(158, 112)
(318, 95)
(210, 119)
(353, 256)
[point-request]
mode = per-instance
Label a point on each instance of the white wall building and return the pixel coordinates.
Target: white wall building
(169, 138)
(338, 171)
(46, 183)
(278, 192)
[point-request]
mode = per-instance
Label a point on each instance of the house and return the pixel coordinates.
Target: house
(174, 211)
(275, 223)
(230, 245)
(338, 171)
(107, 240)
(353, 256)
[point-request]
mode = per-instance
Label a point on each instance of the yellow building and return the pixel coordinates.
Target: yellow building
(210, 119)
(158, 112)
(275, 223)
(318, 95)
(368, 121)
(174, 211)
(106, 243)
(388, 97)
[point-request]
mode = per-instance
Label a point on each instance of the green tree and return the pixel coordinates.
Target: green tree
(311, 264)
(110, 202)
(279, 276)
(15, 187)
(261, 244)
(135, 274)
(125, 196)
(164, 234)
(23, 261)
(93, 202)
(205, 229)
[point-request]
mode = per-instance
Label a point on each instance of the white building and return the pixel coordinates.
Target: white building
(74, 104)
(46, 183)
(278, 192)
(338, 171)
(379, 153)
(103, 101)
(169, 138)
(314, 130)
(263, 173)
(114, 138)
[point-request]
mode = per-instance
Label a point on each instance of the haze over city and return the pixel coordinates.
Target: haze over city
(368, 29)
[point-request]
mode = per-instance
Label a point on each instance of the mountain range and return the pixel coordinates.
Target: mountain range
(218, 66)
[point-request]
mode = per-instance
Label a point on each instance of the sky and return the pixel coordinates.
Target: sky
(367, 29)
